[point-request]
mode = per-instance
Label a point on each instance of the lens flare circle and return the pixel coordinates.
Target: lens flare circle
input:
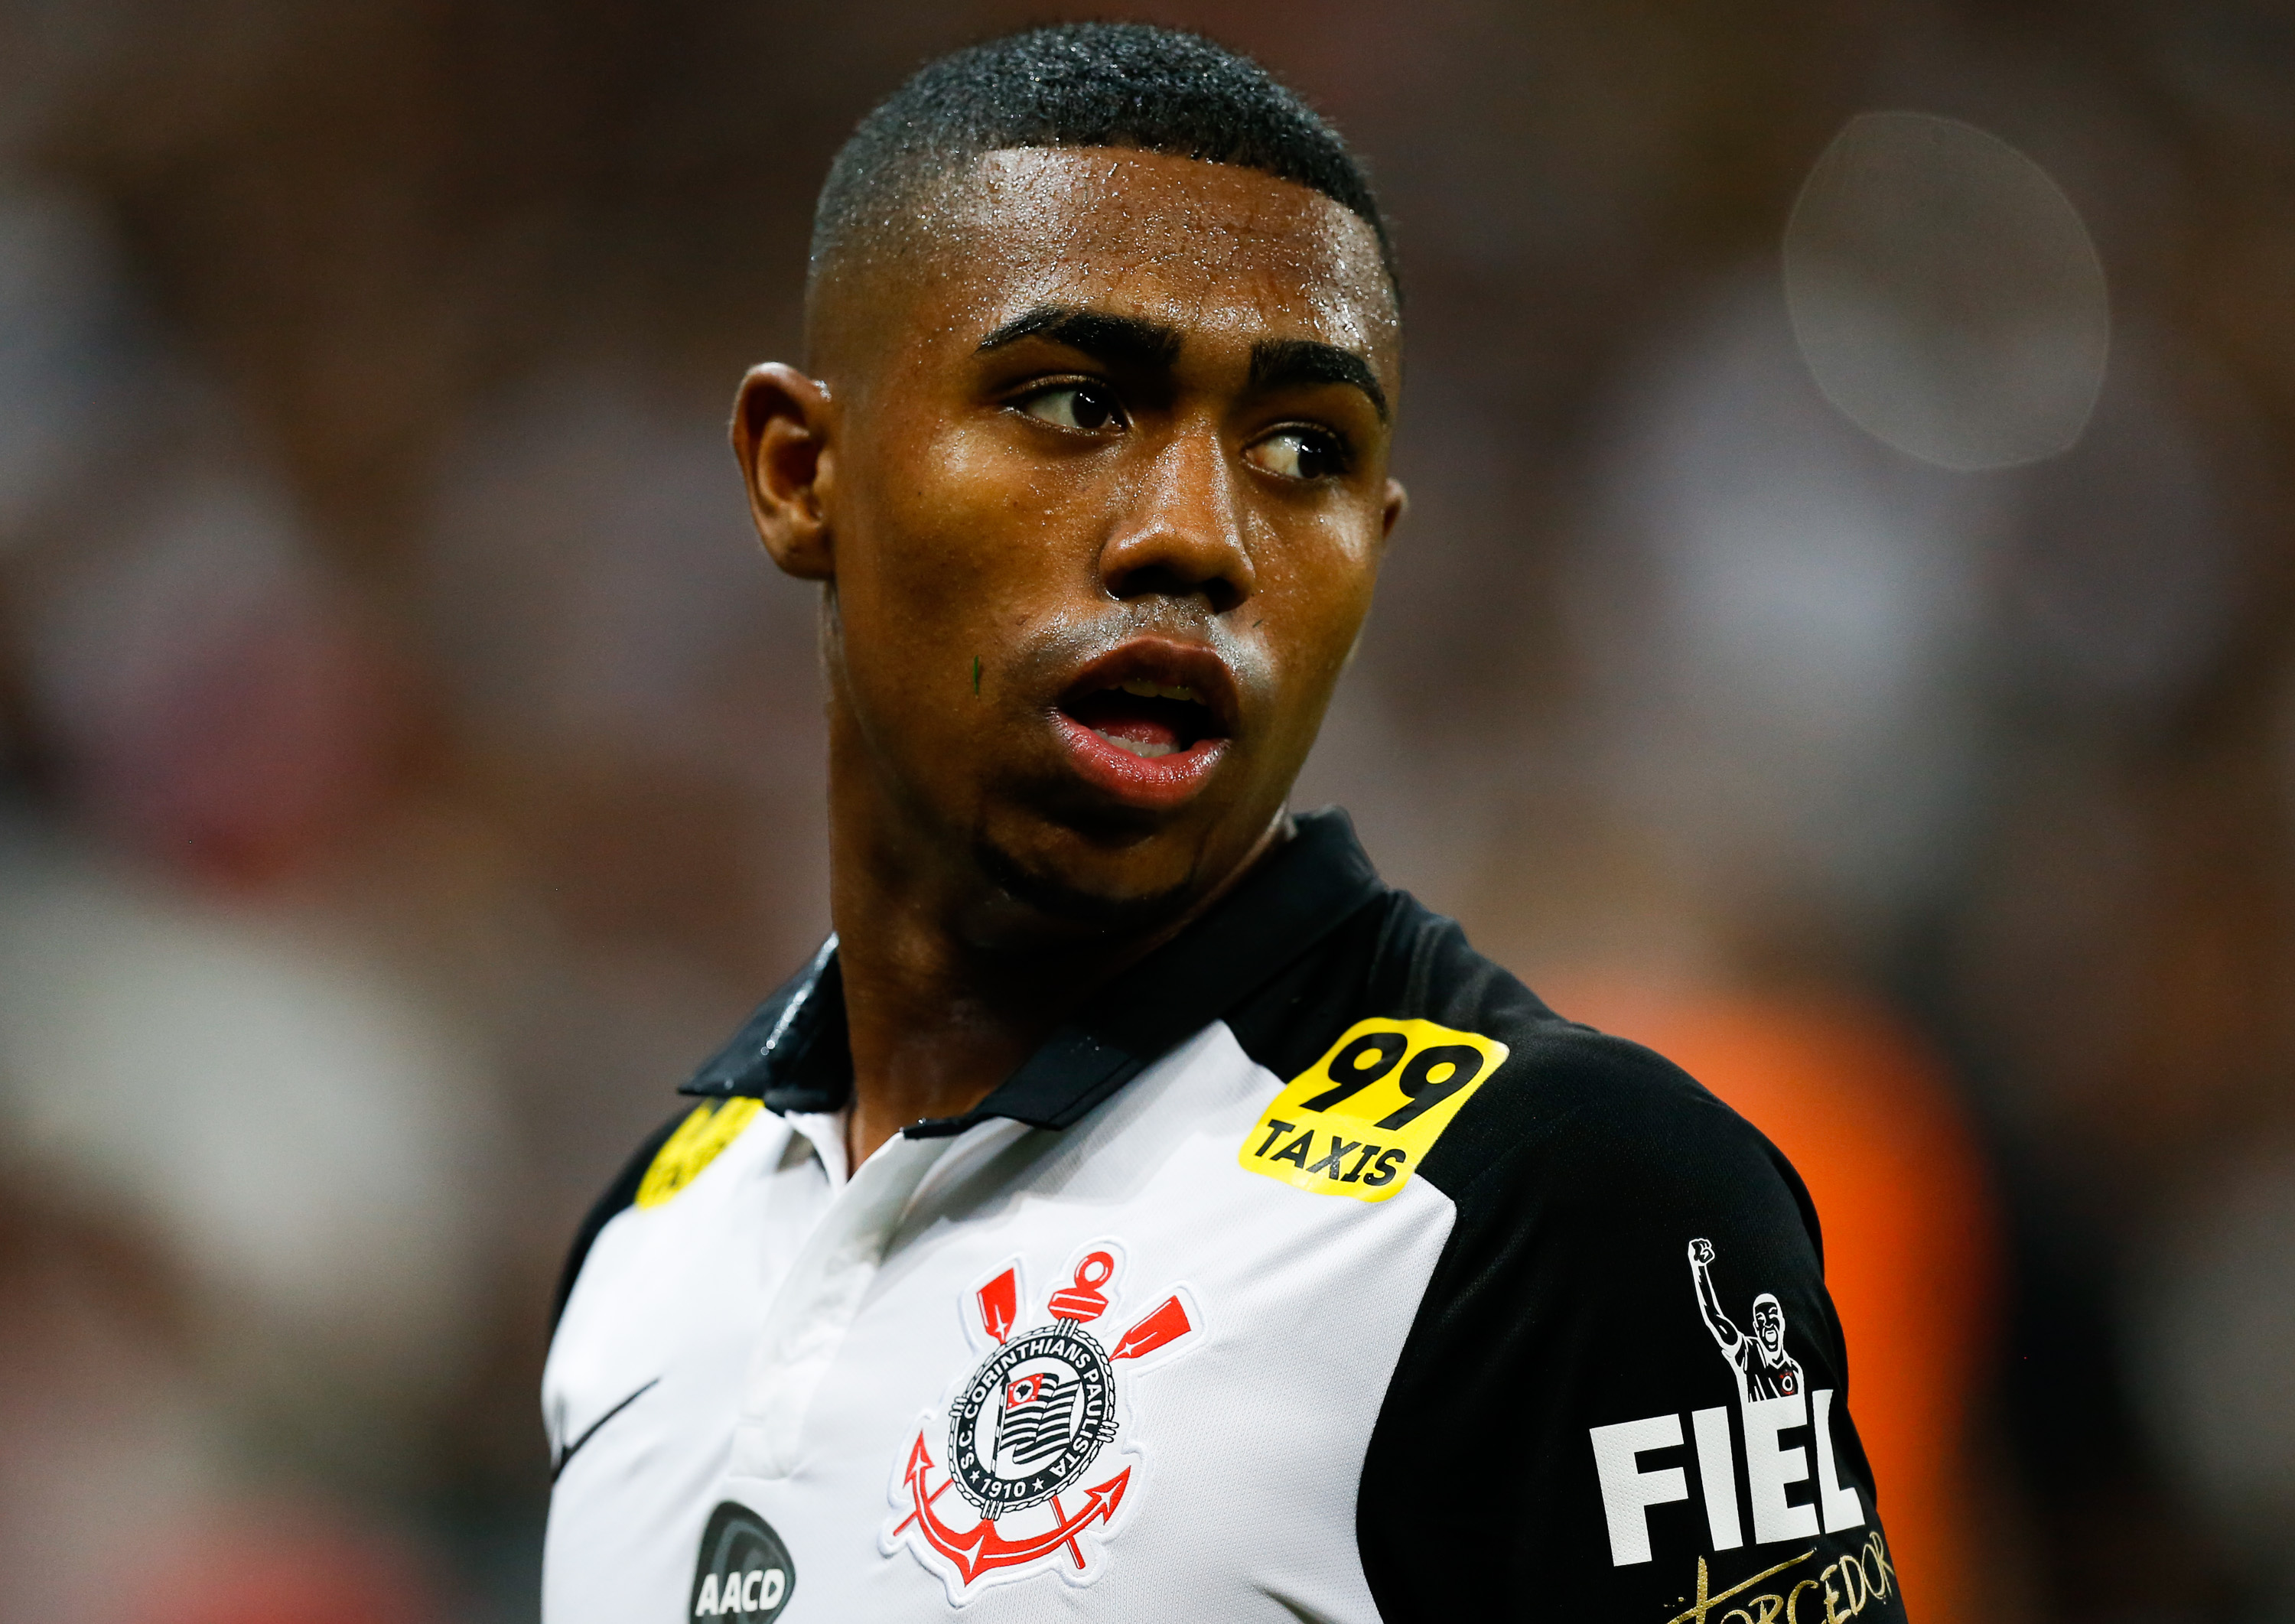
(1946, 294)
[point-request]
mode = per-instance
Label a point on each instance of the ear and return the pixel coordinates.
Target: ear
(783, 435)
(1396, 504)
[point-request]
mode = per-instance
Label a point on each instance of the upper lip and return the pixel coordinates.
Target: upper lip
(1168, 664)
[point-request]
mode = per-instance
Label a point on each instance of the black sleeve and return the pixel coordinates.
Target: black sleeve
(1568, 1434)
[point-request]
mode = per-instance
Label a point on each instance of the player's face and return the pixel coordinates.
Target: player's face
(1769, 1325)
(1110, 498)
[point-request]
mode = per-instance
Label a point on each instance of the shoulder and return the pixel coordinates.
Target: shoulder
(1514, 1113)
(1577, 1118)
(1571, 1115)
(616, 1199)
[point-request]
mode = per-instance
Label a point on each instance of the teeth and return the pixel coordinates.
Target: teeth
(1140, 688)
(1138, 748)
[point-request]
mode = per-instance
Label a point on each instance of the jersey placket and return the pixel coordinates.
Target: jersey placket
(816, 1304)
(826, 1285)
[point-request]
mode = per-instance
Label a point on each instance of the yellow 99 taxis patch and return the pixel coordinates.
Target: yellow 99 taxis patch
(1358, 1121)
(694, 1144)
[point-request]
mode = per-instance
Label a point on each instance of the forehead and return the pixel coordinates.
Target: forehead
(1205, 247)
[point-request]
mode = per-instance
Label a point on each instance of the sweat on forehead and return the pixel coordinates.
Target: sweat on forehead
(1076, 86)
(1172, 239)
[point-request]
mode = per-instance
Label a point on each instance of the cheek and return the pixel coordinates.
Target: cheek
(1322, 594)
(924, 545)
(956, 552)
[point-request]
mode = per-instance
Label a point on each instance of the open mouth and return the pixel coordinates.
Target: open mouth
(1151, 720)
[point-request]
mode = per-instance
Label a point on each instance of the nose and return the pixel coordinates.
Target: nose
(1181, 533)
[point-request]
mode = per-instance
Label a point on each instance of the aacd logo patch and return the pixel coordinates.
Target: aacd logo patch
(694, 1144)
(1357, 1121)
(745, 1572)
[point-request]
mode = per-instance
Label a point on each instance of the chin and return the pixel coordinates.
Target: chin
(1091, 894)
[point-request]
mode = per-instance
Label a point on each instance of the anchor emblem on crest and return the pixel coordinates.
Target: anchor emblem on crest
(1033, 1421)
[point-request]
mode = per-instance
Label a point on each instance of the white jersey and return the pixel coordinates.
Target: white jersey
(1175, 1326)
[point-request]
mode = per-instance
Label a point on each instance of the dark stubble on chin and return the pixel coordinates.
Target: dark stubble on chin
(1083, 912)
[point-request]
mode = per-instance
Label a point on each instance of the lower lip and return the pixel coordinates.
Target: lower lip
(1155, 782)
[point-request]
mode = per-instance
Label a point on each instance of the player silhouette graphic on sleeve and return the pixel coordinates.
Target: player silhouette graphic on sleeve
(1765, 1370)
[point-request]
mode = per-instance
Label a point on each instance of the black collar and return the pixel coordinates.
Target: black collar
(793, 1054)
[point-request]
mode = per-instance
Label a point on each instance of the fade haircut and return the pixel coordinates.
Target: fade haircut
(1081, 85)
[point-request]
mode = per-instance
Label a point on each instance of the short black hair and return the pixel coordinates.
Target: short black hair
(1086, 84)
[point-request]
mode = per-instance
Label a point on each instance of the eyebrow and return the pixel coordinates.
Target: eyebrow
(1277, 363)
(1124, 340)
(1120, 341)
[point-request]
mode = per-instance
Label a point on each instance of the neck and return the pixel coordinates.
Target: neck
(936, 1019)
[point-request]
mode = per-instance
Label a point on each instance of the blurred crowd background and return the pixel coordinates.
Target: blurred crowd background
(1844, 636)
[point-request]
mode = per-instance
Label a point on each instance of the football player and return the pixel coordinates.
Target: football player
(1136, 1209)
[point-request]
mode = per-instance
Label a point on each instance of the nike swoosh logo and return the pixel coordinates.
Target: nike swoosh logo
(590, 1431)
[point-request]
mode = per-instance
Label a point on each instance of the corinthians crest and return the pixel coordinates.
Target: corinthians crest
(1027, 1465)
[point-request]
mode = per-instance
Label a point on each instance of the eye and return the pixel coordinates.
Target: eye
(1299, 453)
(1075, 405)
